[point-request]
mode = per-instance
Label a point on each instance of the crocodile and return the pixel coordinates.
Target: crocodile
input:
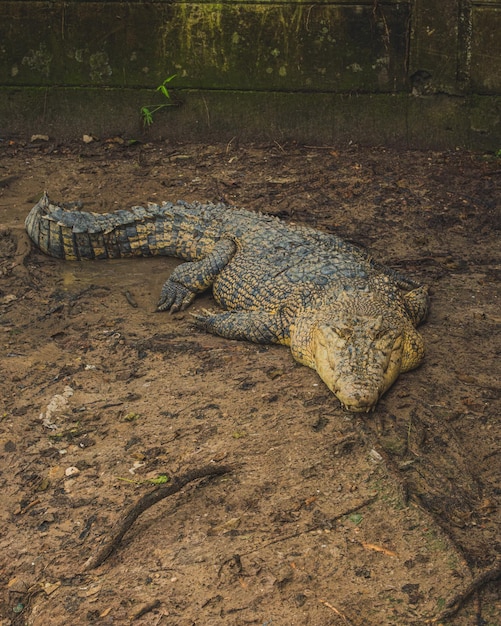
(342, 313)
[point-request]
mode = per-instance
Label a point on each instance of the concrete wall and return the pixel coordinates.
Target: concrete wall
(419, 73)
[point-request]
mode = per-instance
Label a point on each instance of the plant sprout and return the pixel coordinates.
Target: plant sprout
(149, 110)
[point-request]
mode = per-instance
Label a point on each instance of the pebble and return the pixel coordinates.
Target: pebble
(71, 471)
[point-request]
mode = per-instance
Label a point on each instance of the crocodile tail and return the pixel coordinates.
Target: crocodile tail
(47, 233)
(73, 235)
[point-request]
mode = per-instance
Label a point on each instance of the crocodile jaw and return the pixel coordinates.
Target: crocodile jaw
(360, 363)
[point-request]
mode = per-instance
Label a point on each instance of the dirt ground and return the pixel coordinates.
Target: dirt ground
(326, 518)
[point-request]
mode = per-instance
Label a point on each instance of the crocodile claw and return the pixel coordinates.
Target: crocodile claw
(201, 318)
(174, 297)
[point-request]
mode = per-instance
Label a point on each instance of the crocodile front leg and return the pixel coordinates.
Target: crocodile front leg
(188, 279)
(255, 326)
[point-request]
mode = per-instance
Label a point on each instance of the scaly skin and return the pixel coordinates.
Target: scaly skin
(344, 315)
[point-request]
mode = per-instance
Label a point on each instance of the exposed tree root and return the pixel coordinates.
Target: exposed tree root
(463, 491)
(145, 503)
(457, 602)
(298, 533)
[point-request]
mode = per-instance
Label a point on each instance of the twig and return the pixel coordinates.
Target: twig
(453, 606)
(279, 146)
(321, 147)
(29, 506)
(336, 611)
(299, 533)
(145, 503)
(311, 529)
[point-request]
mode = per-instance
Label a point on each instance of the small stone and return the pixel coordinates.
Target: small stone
(71, 471)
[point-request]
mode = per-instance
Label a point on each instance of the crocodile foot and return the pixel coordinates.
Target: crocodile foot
(174, 297)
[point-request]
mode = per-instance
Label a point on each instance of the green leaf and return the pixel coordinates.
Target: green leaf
(163, 89)
(147, 116)
(159, 480)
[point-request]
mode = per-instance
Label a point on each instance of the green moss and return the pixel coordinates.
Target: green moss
(239, 45)
(284, 46)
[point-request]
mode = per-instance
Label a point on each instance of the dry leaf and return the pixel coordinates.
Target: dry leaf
(373, 546)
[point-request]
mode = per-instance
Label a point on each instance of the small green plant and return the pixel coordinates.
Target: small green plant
(498, 153)
(148, 111)
(161, 479)
(356, 518)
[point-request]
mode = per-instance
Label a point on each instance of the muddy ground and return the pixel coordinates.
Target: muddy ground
(326, 518)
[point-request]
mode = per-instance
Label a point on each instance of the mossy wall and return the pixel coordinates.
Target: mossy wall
(418, 73)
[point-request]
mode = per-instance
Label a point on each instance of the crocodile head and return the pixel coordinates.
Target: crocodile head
(360, 353)
(358, 359)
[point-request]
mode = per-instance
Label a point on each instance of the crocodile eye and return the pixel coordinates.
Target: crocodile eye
(377, 333)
